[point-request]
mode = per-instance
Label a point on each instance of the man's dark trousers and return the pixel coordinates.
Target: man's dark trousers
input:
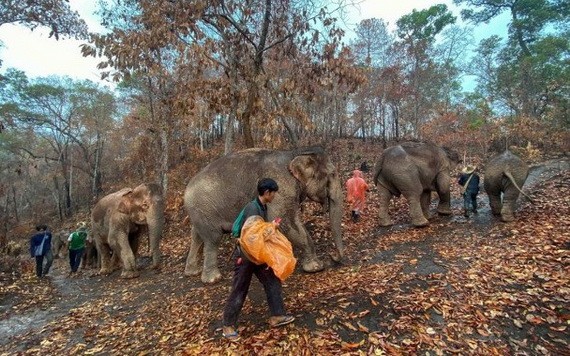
(244, 271)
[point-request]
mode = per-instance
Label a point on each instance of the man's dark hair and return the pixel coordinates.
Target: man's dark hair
(267, 184)
(41, 227)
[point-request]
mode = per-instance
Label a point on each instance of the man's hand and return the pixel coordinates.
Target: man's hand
(277, 222)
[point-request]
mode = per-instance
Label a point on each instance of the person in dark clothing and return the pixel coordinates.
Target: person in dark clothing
(40, 246)
(469, 180)
(245, 269)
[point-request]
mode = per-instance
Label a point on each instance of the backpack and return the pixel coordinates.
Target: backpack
(39, 250)
(238, 222)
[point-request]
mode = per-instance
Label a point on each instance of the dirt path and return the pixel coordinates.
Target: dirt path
(71, 292)
(428, 263)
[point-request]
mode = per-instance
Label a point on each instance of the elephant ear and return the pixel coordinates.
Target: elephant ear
(303, 168)
(126, 202)
(142, 197)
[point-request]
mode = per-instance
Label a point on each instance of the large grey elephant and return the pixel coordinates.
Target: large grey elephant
(215, 196)
(505, 175)
(415, 170)
(119, 219)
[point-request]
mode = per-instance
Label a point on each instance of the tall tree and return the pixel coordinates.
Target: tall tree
(417, 32)
(533, 61)
(61, 122)
(233, 41)
(372, 48)
(53, 14)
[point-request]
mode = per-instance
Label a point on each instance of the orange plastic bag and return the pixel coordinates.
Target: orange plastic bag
(263, 243)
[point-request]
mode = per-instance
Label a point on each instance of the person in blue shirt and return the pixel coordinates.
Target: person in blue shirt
(244, 269)
(469, 180)
(40, 247)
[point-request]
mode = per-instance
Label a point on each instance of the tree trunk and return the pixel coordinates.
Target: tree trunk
(57, 197)
(248, 113)
(253, 85)
(96, 187)
(16, 216)
(67, 196)
(229, 141)
(396, 114)
(164, 156)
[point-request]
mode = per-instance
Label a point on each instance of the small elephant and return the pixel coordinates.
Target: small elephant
(215, 196)
(415, 170)
(59, 243)
(505, 175)
(90, 257)
(119, 219)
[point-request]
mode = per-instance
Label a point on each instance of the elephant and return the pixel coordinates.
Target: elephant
(505, 175)
(214, 197)
(415, 170)
(90, 257)
(59, 243)
(119, 219)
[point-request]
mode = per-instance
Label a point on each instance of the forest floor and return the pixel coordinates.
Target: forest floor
(461, 285)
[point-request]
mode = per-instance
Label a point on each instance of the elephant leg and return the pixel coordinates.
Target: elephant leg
(126, 255)
(495, 203)
(134, 243)
(425, 201)
(153, 242)
(193, 266)
(442, 188)
(383, 215)
(418, 218)
(509, 204)
(155, 225)
(115, 261)
(86, 262)
(299, 236)
(105, 257)
(210, 272)
(83, 262)
(92, 258)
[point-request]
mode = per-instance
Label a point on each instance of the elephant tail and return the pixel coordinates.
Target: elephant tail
(509, 175)
(377, 181)
(378, 169)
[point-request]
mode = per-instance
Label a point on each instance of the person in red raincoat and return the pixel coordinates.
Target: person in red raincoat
(356, 189)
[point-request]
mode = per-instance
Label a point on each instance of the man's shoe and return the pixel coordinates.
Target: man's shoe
(280, 320)
(229, 333)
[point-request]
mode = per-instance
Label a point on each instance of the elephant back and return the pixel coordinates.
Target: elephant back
(499, 165)
(226, 184)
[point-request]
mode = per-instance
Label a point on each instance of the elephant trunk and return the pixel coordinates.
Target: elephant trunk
(155, 226)
(336, 201)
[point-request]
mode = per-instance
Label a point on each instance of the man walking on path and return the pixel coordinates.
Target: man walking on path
(245, 269)
(469, 180)
(356, 189)
(40, 247)
(77, 247)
